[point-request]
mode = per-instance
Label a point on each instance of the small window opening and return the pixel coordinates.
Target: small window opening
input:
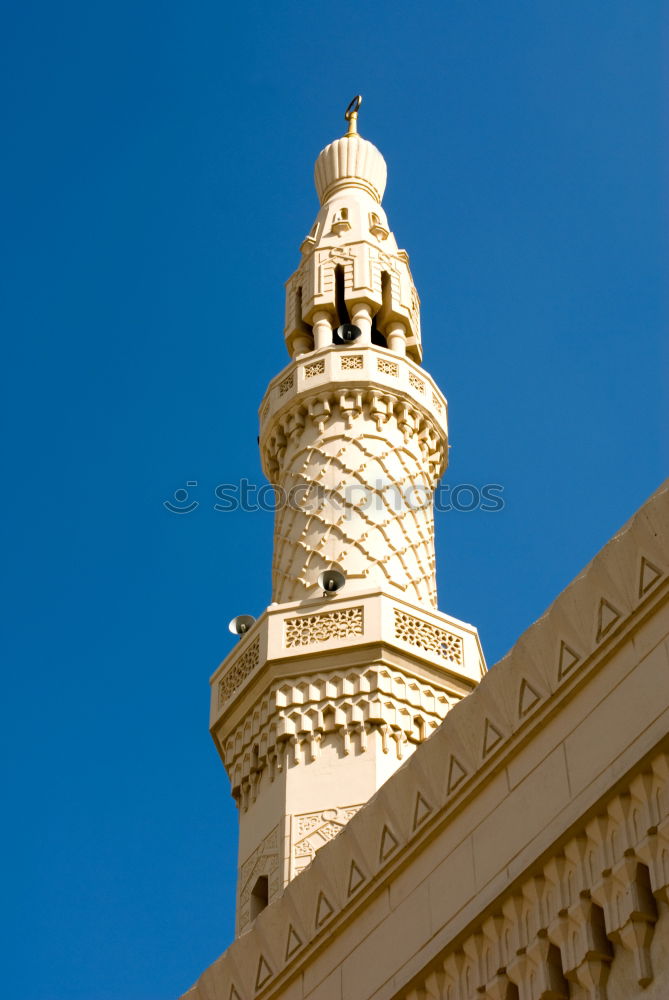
(340, 296)
(340, 223)
(259, 896)
(377, 336)
(376, 227)
(385, 312)
(386, 293)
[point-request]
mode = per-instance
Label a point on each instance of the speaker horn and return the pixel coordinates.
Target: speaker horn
(347, 333)
(241, 624)
(330, 581)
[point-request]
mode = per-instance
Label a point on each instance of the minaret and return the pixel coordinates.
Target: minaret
(352, 665)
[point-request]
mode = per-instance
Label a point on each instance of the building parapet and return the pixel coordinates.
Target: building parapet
(565, 740)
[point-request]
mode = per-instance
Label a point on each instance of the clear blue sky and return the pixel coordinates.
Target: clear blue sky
(157, 179)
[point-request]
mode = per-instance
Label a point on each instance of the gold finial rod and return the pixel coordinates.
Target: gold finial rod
(351, 116)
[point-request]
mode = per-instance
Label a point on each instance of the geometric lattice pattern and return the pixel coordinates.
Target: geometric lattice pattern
(358, 471)
(239, 670)
(312, 830)
(388, 367)
(317, 368)
(429, 637)
(309, 629)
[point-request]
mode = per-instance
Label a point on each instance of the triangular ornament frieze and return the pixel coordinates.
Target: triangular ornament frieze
(527, 698)
(293, 942)
(491, 737)
(567, 660)
(649, 575)
(456, 773)
(264, 973)
(607, 617)
(323, 909)
(421, 811)
(388, 844)
(355, 878)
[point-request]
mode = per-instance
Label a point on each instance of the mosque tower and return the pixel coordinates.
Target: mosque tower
(352, 665)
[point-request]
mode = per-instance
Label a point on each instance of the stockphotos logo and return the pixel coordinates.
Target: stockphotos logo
(311, 498)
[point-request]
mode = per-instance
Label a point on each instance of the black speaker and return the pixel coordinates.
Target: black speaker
(347, 333)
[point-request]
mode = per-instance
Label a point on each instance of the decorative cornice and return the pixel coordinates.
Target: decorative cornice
(371, 620)
(286, 725)
(552, 660)
(346, 384)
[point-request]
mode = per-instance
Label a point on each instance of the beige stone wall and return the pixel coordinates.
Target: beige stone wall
(522, 852)
(314, 710)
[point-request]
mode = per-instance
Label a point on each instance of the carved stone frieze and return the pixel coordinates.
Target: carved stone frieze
(265, 860)
(286, 726)
(238, 671)
(428, 636)
(309, 630)
(310, 831)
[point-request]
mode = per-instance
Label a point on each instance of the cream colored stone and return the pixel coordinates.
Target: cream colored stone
(420, 844)
(308, 738)
(632, 821)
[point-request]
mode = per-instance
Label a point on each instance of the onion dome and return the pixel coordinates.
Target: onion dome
(350, 162)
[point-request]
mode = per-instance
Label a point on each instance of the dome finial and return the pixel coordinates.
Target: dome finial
(351, 116)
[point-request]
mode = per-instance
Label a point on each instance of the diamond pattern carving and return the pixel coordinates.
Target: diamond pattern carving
(363, 466)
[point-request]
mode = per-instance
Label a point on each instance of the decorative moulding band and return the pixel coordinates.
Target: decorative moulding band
(308, 630)
(561, 652)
